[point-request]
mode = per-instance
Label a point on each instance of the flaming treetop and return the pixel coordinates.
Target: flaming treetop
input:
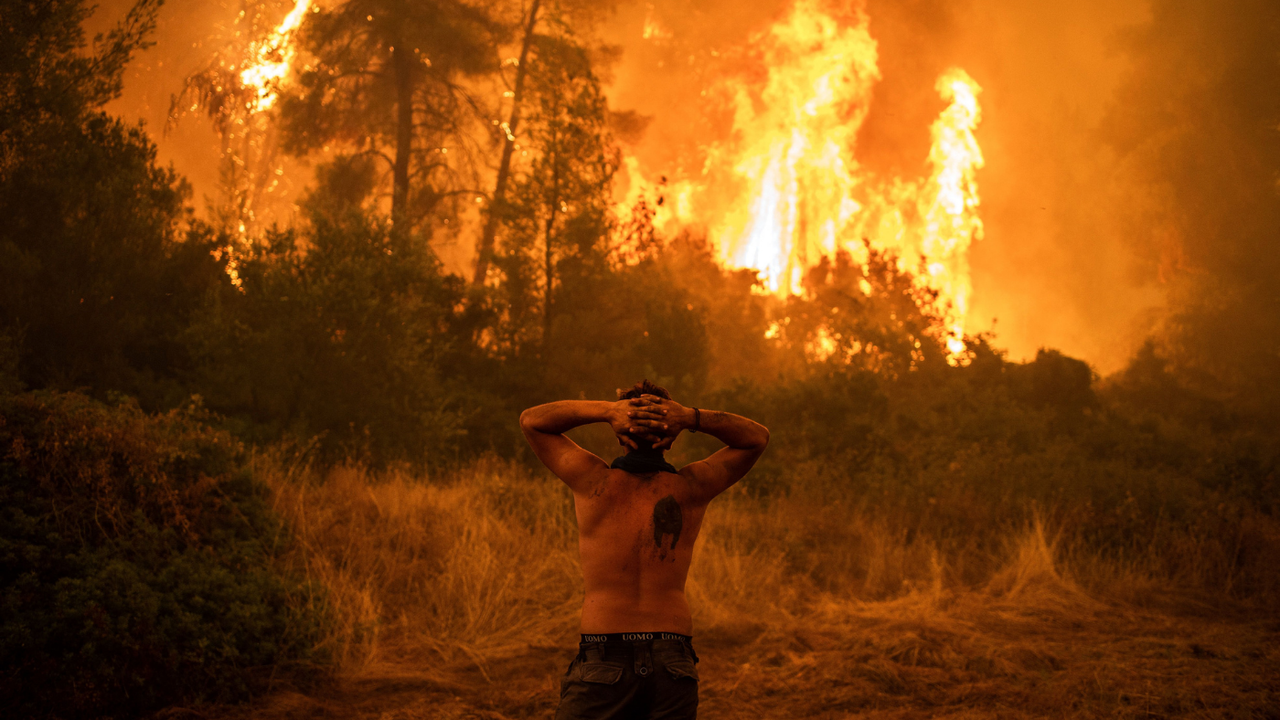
(270, 59)
(786, 189)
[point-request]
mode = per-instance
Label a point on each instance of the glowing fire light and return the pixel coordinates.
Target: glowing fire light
(793, 158)
(795, 191)
(271, 58)
(951, 220)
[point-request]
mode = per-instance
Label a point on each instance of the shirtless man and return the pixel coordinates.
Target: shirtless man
(637, 521)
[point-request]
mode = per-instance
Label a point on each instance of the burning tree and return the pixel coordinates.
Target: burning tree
(238, 91)
(869, 315)
(375, 78)
(784, 189)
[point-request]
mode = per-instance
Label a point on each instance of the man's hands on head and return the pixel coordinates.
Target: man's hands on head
(622, 424)
(648, 419)
(656, 420)
(637, 420)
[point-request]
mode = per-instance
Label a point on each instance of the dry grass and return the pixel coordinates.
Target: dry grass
(460, 598)
(417, 571)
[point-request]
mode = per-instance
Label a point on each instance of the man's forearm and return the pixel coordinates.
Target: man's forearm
(732, 430)
(558, 417)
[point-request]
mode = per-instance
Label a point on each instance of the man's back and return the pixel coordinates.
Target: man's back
(638, 520)
(636, 536)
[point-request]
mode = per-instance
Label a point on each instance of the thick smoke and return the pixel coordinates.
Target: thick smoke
(1196, 124)
(188, 33)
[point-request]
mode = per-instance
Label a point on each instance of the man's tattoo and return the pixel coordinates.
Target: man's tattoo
(667, 520)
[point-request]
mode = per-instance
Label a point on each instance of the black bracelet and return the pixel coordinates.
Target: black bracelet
(697, 420)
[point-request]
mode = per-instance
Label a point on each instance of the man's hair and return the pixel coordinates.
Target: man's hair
(644, 387)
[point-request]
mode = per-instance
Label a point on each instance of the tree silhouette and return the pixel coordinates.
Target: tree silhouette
(103, 268)
(385, 80)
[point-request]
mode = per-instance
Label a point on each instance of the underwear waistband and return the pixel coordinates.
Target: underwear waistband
(633, 637)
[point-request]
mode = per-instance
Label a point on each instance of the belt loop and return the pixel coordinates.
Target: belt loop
(593, 652)
(643, 658)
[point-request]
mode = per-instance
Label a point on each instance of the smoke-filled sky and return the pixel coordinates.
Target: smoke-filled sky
(188, 32)
(1064, 263)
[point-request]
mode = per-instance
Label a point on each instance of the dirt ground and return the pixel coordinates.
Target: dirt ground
(975, 656)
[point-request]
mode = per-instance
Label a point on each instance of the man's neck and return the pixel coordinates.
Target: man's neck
(643, 461)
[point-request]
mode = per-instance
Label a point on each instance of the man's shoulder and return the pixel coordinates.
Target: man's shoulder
(695, 469)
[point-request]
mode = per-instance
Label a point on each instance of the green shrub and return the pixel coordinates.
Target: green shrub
(136, 563)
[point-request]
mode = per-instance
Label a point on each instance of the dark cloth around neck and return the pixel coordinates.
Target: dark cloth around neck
(642, 462)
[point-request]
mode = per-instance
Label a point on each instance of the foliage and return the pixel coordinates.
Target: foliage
(339, 332)
(962, 454)
(556, 222)
(100, 275)
(44, 75)
(632, 322)
(140, 562)
(497, 545)
(385, 81)
(871, 315)
(136, 556)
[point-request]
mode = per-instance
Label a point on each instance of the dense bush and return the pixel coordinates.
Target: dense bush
(338, 332)
(960, 457)
(136, 563)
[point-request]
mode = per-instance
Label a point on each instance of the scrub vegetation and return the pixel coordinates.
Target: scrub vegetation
(137, 557)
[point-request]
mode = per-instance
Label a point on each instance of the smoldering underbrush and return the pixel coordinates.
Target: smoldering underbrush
(482, 562)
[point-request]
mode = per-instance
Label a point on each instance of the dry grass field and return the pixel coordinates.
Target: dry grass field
(459, 599)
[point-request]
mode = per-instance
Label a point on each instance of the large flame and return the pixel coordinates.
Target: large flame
(270, 59)
(794, 191)
(796, 151)
(950, 204)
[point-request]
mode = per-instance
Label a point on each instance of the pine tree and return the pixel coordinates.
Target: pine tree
(385, 80)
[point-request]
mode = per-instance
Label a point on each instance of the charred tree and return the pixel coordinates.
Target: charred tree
(385, 82)
(484, 253)
(403, 66)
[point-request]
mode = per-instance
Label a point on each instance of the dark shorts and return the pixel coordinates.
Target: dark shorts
(654, 676)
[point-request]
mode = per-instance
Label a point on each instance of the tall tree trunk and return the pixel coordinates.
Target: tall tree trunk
(548, 268)
(484, 252)
(402, 63)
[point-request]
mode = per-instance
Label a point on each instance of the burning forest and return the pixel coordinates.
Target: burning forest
(955, 327)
